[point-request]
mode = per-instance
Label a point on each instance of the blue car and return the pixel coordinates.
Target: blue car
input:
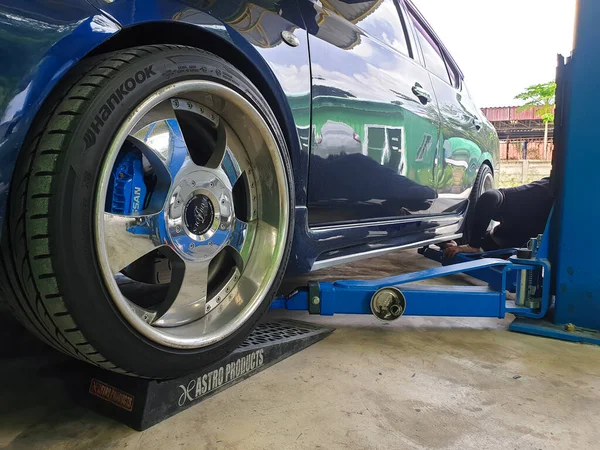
(165, 164)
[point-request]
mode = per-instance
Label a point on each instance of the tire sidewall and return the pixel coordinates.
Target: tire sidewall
(473, 198)
(78, 270)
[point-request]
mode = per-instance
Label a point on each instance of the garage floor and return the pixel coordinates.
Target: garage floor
(415, 384)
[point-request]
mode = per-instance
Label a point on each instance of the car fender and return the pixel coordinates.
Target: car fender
(43, 43)
(487, 157)
(253, 29)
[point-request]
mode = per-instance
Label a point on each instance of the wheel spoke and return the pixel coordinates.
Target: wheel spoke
(203, 132)
(238, 239)
(163, 145)
(128, 238)
(186, 300)
(234, 163)
(231, 168)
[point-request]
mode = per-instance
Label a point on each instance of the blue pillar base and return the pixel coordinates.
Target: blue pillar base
(546, 328)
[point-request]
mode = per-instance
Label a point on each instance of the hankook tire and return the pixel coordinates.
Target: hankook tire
(182, 278)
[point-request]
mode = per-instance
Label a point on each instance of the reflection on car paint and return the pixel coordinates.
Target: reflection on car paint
(350, 111)
(38, 43)
(361, 103)
(362, 81)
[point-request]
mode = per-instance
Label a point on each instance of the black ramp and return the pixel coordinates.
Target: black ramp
(141, 403)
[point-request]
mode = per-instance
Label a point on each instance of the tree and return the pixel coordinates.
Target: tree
(541, 97)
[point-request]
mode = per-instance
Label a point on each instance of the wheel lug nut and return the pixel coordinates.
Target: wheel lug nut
(192, 246)
(223, 226)
(178, 229)
(121, 175)
(193, 183)
(212, 184)
(176, 103)
(210, 243)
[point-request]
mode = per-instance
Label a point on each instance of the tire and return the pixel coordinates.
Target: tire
(57, 270)
(483, 182)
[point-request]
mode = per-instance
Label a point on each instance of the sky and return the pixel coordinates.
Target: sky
(503, 46)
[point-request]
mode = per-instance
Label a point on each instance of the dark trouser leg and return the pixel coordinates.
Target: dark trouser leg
(506, 237)
(486, 210)
(488, 243)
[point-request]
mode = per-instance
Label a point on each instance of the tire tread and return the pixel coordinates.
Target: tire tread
(30, 287)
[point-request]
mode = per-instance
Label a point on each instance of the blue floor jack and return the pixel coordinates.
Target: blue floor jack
(518, 282)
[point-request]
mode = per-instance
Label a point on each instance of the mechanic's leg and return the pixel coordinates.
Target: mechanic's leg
(488, 208)
(489, 242)
(505, 237)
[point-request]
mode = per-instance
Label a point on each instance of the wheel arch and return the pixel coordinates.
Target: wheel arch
(488, 160)
(489, 163)
(240, 54)
(59, 63)
(61, 50)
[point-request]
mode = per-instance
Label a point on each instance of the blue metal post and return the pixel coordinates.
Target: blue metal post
(577, 215)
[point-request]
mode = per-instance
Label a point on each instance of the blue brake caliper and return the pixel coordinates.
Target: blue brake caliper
(127, 193)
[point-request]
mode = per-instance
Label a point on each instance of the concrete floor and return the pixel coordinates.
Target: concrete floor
(419, 383)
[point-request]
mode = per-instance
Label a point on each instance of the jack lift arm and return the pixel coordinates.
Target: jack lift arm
(390, 298)
(515, 285)
(519, 285)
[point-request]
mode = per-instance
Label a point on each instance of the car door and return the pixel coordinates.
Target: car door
(374, 114)
(463, 132)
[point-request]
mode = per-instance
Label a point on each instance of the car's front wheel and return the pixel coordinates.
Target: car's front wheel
(150, 217)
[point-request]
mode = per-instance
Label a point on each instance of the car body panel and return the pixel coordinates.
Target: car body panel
(362, 81)
(465, 133)
(311, 103)
(39, 43)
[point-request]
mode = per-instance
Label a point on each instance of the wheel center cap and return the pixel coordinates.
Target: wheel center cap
(199, 214)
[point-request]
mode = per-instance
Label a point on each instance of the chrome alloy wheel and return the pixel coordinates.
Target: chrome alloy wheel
(488, 183)
(219, 213)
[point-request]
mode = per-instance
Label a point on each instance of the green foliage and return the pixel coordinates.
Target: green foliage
(541, 97)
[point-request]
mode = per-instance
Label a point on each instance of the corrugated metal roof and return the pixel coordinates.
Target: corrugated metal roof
(506, 113)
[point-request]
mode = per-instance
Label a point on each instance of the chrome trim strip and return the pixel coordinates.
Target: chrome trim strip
(446, 218)
(318, 265)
